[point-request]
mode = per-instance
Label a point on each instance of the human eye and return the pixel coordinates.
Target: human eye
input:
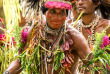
(62, 12)
(52, 11)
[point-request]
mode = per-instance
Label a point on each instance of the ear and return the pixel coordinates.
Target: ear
(96, 5)
(45, 13)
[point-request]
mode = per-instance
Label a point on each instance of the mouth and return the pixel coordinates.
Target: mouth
(55, 22)
(81, 7)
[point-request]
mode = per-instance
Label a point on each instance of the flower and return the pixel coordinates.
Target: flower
(2, 37)
(105, 40)
(55, 4)
(102, 46)
(24, 35)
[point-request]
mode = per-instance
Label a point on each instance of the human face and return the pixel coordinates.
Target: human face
(85, 5)
(55, 17)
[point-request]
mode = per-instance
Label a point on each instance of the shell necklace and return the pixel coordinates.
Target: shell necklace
(92, 25)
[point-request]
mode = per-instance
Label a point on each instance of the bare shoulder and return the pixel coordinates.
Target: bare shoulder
(103, 22)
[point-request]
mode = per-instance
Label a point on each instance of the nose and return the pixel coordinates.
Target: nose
(57, 16)
(79, 2)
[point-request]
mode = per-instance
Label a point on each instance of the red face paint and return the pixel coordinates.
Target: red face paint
(57, 16)
(55, 19)
(49, 15)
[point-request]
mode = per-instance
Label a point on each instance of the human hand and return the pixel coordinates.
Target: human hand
(15, 67)
(79, 42)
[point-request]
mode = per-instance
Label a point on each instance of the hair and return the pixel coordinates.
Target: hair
(105, 10)
(95, 1)
(34, 3)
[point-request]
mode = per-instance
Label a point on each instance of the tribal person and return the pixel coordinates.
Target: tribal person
(90, 23)
(51, 35)
(74, 13)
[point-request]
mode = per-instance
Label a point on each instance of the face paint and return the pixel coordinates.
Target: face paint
(55, 18)
(49, 15)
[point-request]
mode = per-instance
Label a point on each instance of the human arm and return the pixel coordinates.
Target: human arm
(14, 67)
(79, 42)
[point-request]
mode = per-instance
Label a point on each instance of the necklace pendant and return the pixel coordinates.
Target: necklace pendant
(49, 57)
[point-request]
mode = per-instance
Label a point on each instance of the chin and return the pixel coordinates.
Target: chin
(79, 11)
(56, 27)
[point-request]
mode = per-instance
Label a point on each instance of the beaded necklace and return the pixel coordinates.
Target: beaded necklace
(51, 31)
(48, 55)
(92, 25)
(38, 35)
(55, 43)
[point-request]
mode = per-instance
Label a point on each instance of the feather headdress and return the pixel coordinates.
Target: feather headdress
(30, 8)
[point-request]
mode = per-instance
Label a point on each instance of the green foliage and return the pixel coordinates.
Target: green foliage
(59, 56)
(12, 17)
(17, 37)
(100, 56)
(30, 63)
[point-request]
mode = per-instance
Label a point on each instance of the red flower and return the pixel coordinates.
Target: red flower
(105, 40)
(2, 37)
(24, 35)
(102, 46)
